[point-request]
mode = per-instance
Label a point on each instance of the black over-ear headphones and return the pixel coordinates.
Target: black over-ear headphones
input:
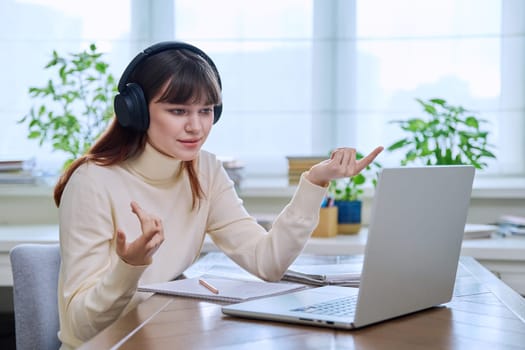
(131, 107)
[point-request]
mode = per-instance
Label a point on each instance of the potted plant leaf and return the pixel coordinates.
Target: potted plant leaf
(448, 135)
(75, 106)
(347, 194)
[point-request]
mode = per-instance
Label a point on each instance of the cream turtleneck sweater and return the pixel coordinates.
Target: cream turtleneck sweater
(96, 287)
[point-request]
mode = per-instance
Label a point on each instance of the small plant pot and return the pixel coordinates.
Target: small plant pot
(327, 226)
(348, 216)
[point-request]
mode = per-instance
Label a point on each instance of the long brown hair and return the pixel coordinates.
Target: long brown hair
(177, 76)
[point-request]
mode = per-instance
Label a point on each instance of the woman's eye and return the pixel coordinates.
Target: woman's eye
(207, 111)
(177, 111)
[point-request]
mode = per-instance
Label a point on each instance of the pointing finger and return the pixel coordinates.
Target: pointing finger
(364, 162)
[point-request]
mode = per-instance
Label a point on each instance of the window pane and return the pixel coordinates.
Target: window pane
(265, 72)
(430, 18)
(29, 31)
(241, 19)
(464, 51)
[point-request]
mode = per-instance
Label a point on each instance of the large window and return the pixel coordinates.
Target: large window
(299, 77)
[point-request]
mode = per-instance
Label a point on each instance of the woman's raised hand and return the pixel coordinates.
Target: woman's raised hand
(140, 251)
(342, 163)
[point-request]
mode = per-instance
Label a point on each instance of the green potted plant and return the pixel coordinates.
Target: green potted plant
(75, 106)
(347, 194)
(449, 135)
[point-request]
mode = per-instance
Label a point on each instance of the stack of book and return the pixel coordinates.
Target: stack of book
(347, 275)
(300, 164)
(16, 171)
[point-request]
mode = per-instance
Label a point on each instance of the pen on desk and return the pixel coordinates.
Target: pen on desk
(208, 286)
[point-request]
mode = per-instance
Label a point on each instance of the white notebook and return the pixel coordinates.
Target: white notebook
(231, 290)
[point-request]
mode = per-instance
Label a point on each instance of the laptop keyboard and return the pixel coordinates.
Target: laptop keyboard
(338, 307)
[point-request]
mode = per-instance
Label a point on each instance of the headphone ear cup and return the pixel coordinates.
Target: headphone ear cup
(131, 108)
(217, 111)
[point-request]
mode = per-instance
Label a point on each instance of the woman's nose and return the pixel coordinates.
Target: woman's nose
(192, 123)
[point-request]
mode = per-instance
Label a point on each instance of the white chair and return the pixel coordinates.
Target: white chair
(35, 281)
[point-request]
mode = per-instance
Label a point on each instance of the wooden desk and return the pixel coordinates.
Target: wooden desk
(483, 314)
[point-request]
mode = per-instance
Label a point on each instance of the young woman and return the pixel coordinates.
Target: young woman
(137, 206)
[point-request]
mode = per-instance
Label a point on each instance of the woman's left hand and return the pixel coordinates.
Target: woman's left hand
(140, 251)
(342, 163)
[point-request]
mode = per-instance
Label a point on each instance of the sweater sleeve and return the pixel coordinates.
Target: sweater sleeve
(266, 254)
(95, 284)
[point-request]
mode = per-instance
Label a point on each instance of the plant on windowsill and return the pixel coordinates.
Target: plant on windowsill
(76, 104)
(347, 194)
(450, 135)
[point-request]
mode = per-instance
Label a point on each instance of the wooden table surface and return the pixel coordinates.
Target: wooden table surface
(483, 314)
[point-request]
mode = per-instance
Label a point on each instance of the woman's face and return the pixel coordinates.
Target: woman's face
(179, 130)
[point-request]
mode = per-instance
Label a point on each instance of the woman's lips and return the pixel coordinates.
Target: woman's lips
(190, 143)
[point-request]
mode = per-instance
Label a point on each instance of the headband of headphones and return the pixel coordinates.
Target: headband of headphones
(131, 107)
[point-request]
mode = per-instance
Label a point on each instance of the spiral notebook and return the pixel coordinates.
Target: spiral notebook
(231, 290)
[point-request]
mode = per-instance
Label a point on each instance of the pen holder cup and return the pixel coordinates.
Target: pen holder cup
(327, 226)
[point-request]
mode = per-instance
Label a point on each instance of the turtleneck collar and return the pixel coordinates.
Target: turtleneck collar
(154, 166)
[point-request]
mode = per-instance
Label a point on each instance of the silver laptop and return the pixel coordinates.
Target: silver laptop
(411, 256)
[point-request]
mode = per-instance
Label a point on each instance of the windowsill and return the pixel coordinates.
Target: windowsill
(488, 187)
(503, 187)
